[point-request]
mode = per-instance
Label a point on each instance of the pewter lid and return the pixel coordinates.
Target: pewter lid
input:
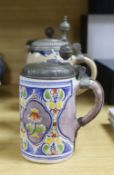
(46, 45)
(49, 70)
(54, 69)
(50, 43)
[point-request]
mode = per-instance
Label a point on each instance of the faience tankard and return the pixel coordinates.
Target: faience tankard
(48, 123)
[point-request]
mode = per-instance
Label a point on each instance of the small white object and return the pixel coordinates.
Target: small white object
(111, 117)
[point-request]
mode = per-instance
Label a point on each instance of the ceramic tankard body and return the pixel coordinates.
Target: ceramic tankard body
(48, 124)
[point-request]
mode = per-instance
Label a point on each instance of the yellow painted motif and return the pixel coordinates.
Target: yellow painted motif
(49, 140)
(59, 105)
(51, 105)
(57, 140)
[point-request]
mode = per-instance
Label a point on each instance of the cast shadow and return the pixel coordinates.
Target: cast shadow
(9, 91)
(9, 141)
(109, 130)
(4, 93)
(11, 97)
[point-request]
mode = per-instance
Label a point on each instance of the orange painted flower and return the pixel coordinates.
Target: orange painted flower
(35, 115)
(54, 91)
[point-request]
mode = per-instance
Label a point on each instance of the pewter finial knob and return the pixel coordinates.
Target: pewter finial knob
(64, 28)
(66, 51)
(49, 31)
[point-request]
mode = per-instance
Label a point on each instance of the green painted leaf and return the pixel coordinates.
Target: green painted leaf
(24, 93)
(47, 94)
(61, 94)
(60, 148)
(40, 128)
(30, 127)
(35, 134)
(45, 148)
(25, 145)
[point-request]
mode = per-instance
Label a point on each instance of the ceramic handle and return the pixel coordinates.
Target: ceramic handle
(80, 58)
(92, 67)
(91, 64)
(99, 100)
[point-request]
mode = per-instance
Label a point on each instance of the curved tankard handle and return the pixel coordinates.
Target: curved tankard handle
(90, 63)
(92, 67)
(66, 52)
(97, 89)
(80, 58)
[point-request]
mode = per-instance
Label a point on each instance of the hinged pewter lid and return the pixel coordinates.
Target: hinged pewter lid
(52, 69)
(49, 70)
(51, 43)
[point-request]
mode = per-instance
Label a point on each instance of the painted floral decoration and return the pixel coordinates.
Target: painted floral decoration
(34, 127)
(53, 145)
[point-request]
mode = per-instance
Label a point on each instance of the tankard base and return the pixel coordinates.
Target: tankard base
(45, 161)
